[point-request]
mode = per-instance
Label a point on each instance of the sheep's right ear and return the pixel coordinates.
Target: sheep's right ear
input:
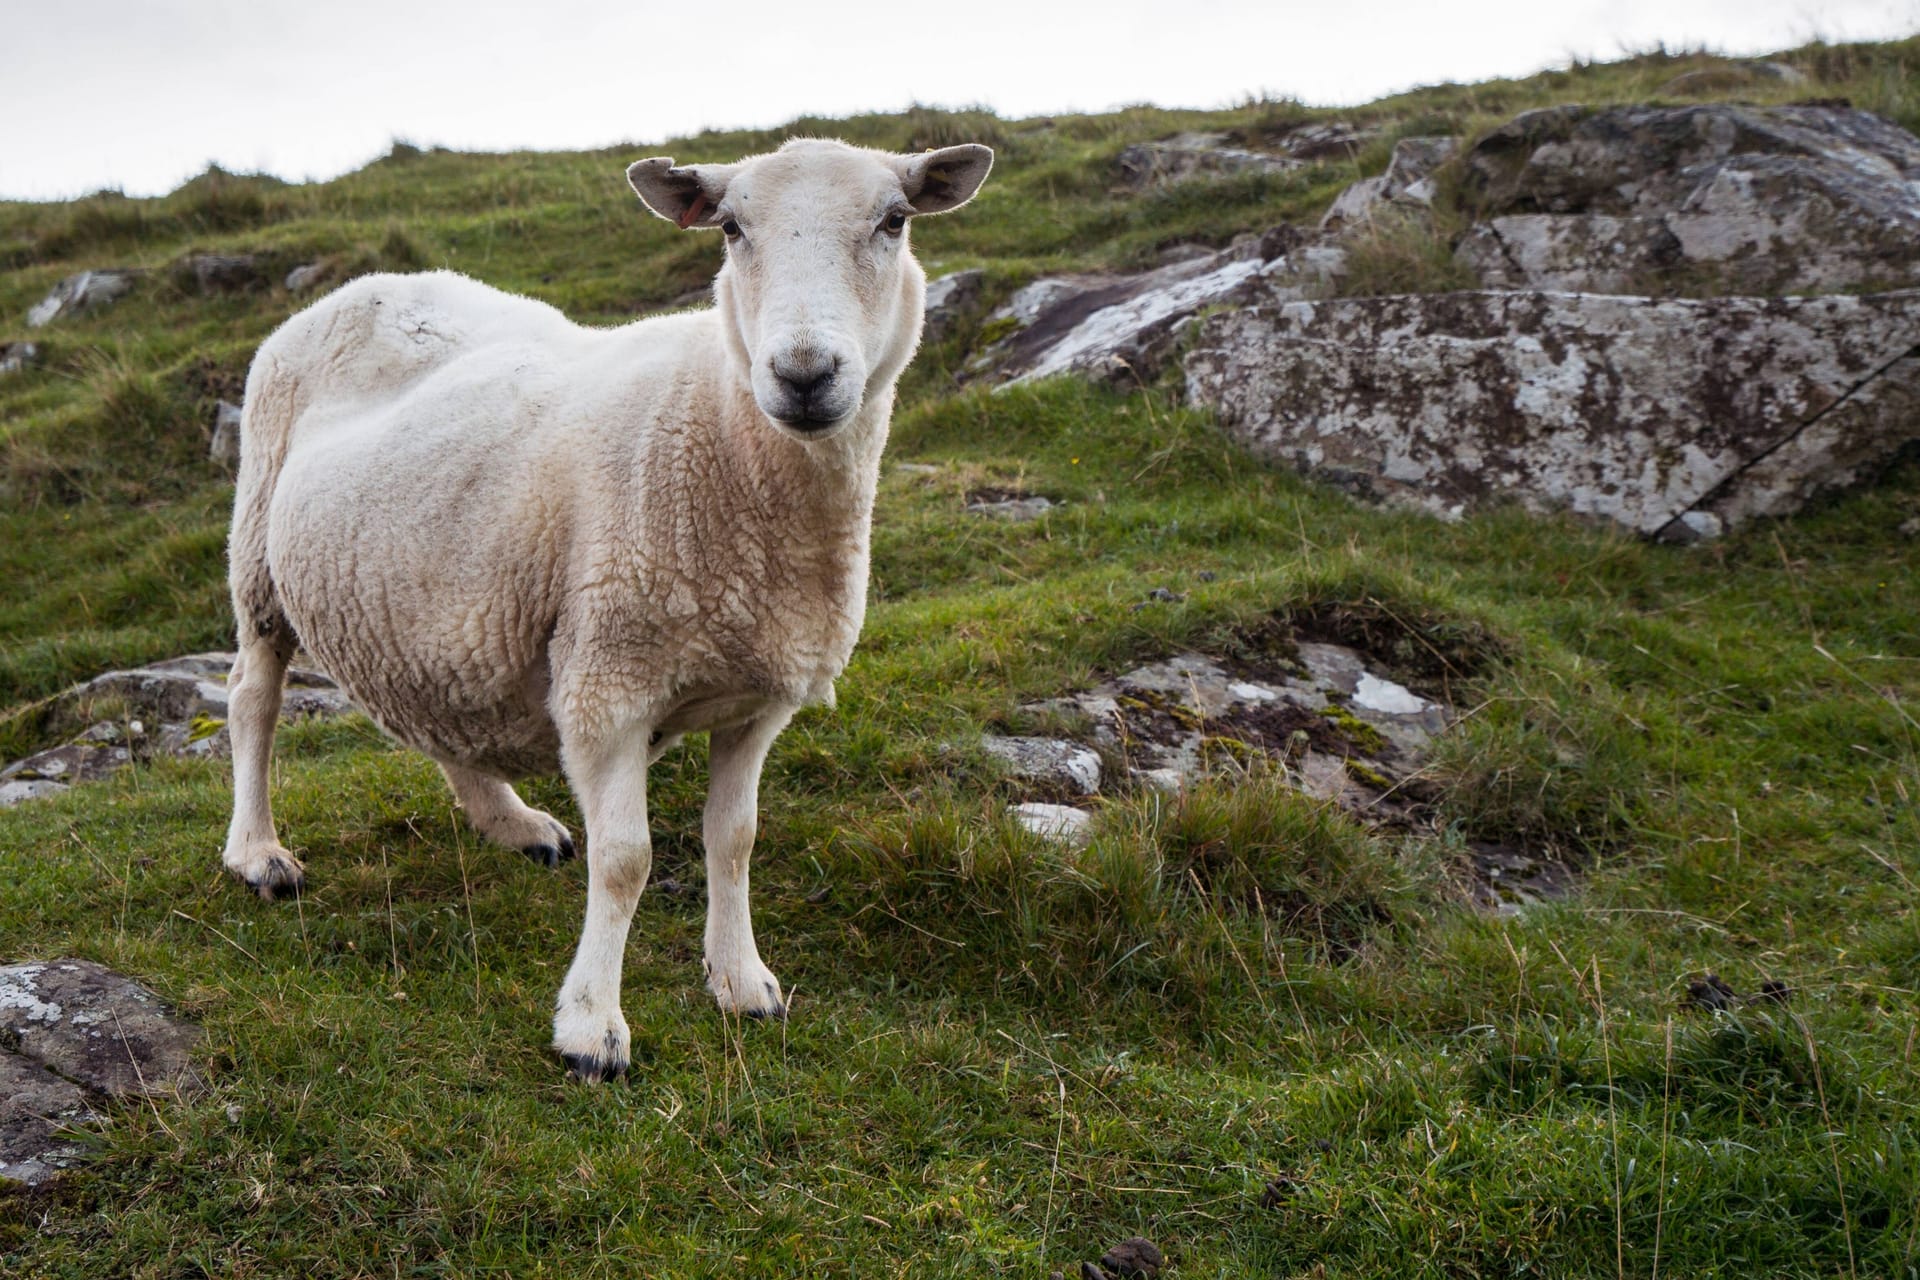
(685, 197)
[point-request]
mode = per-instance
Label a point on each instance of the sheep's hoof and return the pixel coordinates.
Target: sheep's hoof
(277, 875)
(551, 856)
(609, 1063)
(775, 1012)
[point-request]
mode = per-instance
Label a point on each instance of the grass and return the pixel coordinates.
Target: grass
(1268, 1038)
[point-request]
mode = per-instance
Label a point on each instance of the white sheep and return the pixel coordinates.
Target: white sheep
(521, 544)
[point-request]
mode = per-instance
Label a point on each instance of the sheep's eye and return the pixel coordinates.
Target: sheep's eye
(731, 228)
(896, 222)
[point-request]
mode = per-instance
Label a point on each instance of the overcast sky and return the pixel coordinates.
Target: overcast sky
(141, 94)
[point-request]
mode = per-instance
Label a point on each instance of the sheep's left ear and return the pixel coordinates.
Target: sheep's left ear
(944, 179)
(687, 196)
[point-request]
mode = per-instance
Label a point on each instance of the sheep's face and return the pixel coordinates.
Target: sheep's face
(820, 296)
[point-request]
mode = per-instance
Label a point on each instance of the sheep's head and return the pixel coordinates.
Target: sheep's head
(820, 296)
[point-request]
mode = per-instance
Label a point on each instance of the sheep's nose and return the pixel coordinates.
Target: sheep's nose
(806, 372)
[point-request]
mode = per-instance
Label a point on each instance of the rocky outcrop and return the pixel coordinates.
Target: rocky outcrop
(1719, 198)
(72, 1031)
(1673, 417)
(83, 292)
(1125, 326)
(172, 708)
(1194, 155)
(1407, 183)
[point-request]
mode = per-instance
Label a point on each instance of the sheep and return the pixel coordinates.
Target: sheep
(521, 544)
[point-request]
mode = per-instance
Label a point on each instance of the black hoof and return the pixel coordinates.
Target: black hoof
(594, 1068)
(551, 856)
(281, 879)
(778, 1013)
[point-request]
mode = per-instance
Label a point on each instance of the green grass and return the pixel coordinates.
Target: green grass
(1270, 1039)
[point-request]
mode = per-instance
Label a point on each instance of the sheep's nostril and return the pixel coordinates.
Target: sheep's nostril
(806, 375)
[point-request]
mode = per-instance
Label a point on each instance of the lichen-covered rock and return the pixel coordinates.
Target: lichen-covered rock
(1056, 822)
(1048, 763)
(1657, 414)
(1191, 156)
(82, 292)
(1407, 182)
(38, 1114)
(1718, 197)
(97, 1028)
(1114, 325)
(174, 708)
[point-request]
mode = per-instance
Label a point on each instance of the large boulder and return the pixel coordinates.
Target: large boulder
(1719, 198)
(1671, 417)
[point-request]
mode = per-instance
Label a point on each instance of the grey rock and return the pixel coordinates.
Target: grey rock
(17, 356)
(38, 1115)
(173, 708)
(1631, 409)
(949, 299)
(309, 275)
(1191, 156)
(223, 272)
(1049, 763)
(225, 446)
(1013, 510)
(1057, 822)
(82, 292)
(97, 1028)
(1328, 140)
(1714, 198)
(1407, 182)
(1126, 326)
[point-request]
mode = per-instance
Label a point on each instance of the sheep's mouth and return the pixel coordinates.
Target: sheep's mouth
(810, 427)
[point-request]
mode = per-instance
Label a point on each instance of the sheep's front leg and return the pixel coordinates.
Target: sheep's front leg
(734, 973)
(589, 1031)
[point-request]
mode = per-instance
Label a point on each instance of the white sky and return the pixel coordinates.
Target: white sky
(141, 94)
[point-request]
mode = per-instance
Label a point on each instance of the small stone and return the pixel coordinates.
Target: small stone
(1164, 596)
(1056, 822)
(225, 447)
(16, 356)
(1910, 528)
(306, 277)
(14, 791)
(1135, 1258)
(1047, 761)
(1015, 510)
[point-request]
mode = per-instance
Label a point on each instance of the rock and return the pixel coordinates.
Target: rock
(1636, 410)
(1127, 325)
(81, 292)
(176, 708)
(308, 276)
(949, 299)
(1408, 181)
(1047, 762)
(1056, 822)
(16, 356)
(1716, 198)
(1015, 508)
(223, 272)
(225, 446)
(1507, 881)
(98, 1028)
(1340, 729)
(38, 1111)
(1328, 140)
(1191, 156)
(1135, 1258)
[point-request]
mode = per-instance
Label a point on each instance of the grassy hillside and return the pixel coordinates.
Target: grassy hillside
(1270, 1039)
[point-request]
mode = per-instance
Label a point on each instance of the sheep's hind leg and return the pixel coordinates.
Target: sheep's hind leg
(502, 817)
(735, 975)
(253, 851)
(589, 1031)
